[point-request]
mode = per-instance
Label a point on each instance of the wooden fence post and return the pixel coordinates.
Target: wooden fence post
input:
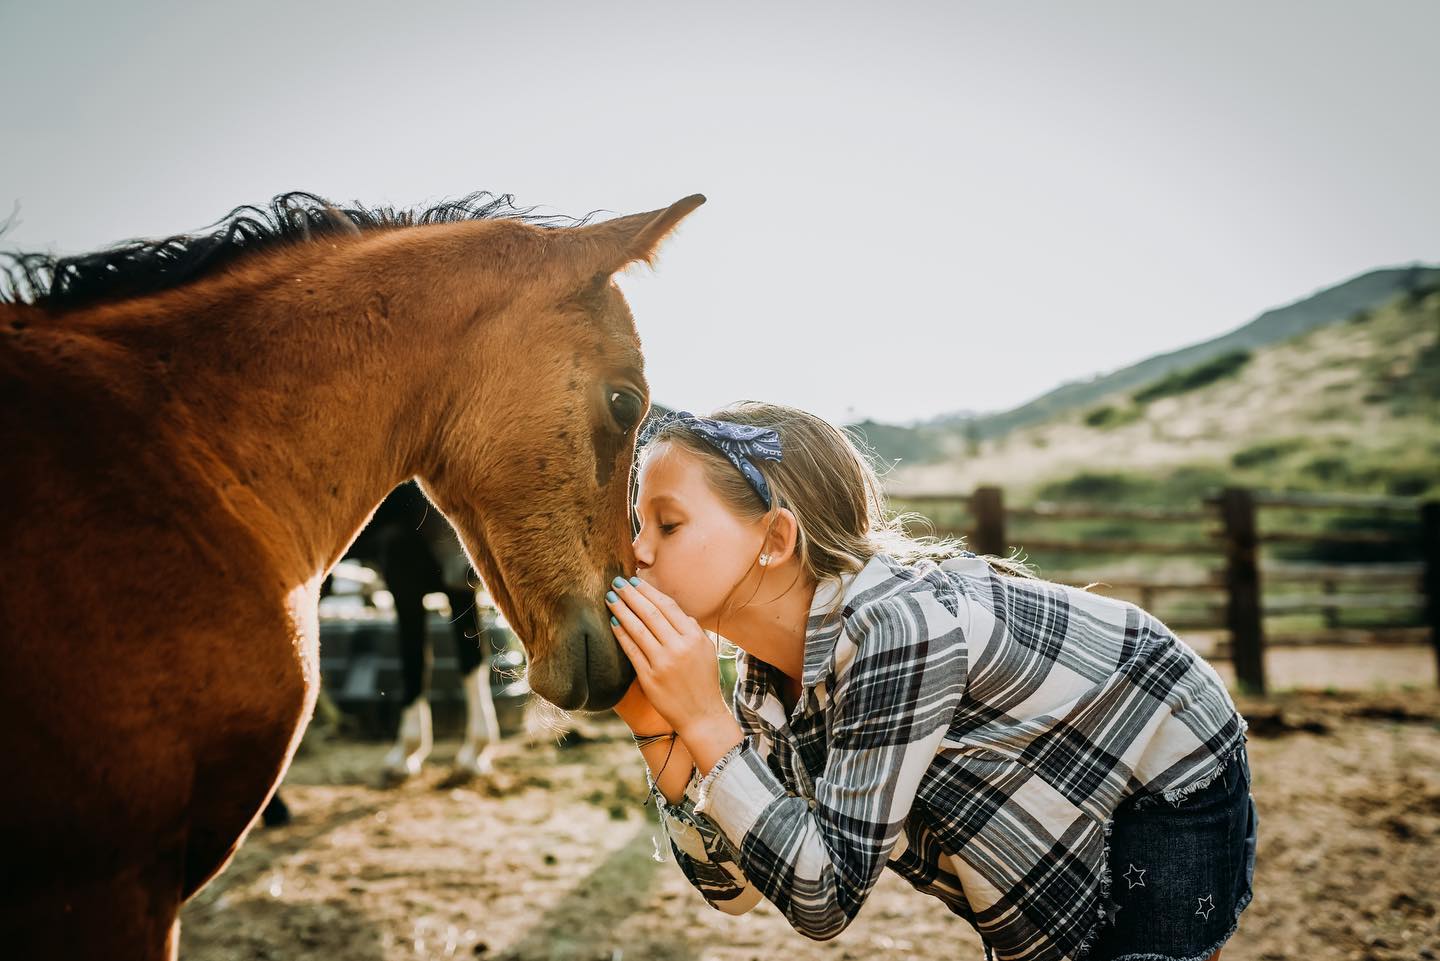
(1242, 582)
(987, 508)
(1430, 547)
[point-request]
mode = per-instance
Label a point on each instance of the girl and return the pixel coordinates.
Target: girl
(1053, 765)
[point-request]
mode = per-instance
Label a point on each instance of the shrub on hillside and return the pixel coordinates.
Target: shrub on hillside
(1266, 453)
(1193, 378)
(1412, 482)
(1423, 380)
(1108, 416)
(1095, 486)
(1405, 548)
(1191, 483)
(1328, 469)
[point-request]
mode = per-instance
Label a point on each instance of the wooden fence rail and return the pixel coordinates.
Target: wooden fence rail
(1232, 536)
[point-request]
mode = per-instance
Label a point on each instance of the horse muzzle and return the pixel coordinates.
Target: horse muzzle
(586, 669)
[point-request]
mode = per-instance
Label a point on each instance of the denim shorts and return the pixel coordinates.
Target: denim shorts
(1180, 871)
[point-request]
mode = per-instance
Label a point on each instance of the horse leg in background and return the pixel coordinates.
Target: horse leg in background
(415, 738)
(410, 571)
(276, 813)
(472, 650)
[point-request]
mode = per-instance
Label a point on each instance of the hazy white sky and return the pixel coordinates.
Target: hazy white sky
(914, 207)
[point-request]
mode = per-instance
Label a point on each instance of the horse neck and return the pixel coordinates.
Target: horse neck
(300, 410)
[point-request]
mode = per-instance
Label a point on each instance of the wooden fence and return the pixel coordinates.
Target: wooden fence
(1235, 541)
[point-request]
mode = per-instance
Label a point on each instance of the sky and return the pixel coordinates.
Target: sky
(914, 208)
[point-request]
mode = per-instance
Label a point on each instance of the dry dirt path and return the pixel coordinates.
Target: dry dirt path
(552, 859)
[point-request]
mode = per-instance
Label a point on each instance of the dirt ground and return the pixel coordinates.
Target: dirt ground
(552, 856)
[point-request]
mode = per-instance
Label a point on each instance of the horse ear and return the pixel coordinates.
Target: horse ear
(602, 249)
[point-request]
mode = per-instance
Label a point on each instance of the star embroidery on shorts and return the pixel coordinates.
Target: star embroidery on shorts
(1204, 909)
(1136, 877)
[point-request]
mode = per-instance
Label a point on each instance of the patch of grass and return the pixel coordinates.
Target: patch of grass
(1193, 378)
(1328, 469)
(727, 675)
(1422, 383)
(1099, 486)
(1405, 547)
(1109, 416)
(1412, 482)
(1258, 455)
(1336, 413)
(1406, 463)
(1192, 483)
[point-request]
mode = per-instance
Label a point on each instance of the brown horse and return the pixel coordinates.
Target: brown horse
(194, 429)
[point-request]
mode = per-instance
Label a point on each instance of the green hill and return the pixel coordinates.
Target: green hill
(1291, 401)
(953, 435)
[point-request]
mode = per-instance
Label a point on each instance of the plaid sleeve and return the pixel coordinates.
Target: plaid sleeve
(704, 854)
(817, 861)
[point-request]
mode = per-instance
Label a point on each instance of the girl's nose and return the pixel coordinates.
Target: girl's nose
(643, 557)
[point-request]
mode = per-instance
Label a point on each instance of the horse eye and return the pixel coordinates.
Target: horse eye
(626, 409)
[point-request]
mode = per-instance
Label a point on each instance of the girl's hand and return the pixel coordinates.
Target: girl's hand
(674, 660)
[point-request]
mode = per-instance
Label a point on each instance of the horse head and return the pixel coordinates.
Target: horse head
(533, 451)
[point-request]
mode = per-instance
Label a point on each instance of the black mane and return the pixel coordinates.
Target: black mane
(139, 267)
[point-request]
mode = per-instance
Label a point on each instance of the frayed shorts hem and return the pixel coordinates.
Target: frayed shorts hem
(1240, 906)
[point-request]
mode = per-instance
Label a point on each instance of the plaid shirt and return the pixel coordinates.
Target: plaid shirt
(971, 730)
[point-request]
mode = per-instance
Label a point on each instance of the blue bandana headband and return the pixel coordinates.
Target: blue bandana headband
(739, 442)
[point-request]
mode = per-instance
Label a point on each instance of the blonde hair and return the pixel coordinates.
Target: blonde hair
(826, 478)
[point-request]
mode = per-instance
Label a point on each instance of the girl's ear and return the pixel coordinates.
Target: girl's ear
(782, 538)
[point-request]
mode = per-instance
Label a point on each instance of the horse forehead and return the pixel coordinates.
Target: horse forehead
(612, 337)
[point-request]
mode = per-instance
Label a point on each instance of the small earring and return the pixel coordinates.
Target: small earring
(764, 559)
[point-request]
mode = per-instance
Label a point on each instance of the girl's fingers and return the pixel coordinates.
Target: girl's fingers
(664, 603)
(659, 625)
(627, 644)
(640, 634)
